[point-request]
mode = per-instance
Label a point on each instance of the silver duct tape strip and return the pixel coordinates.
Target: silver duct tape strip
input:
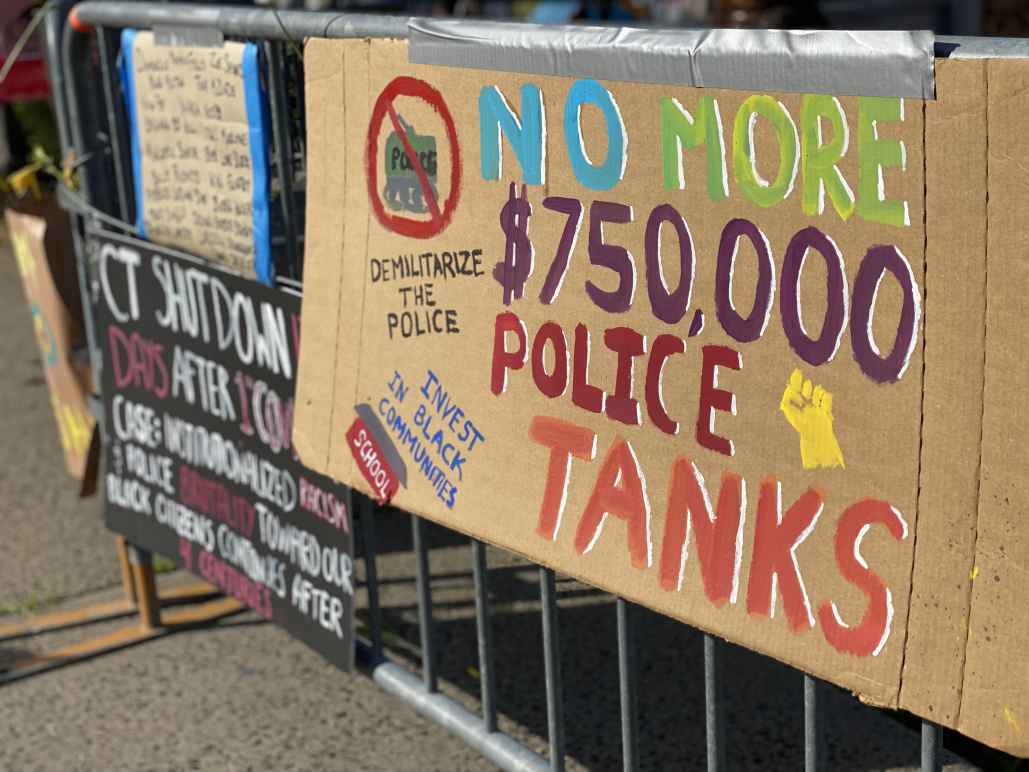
(203, 37)
(982, 48)
(826, 62)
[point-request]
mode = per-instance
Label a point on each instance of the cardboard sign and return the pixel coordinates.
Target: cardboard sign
(41, 241)
(198, 384)
(199, 142)
(719, 352)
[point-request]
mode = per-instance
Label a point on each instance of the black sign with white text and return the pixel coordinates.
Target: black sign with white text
(198, 378)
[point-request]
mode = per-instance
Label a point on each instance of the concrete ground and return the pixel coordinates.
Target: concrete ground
(243, 695)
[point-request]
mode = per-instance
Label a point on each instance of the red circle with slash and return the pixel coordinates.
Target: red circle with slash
(440, 217)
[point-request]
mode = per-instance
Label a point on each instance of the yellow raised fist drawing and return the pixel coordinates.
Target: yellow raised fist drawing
(808, 408)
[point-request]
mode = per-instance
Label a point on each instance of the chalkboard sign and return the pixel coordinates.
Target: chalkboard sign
(198, 378)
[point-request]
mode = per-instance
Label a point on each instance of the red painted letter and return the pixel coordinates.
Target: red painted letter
(713, 398)
(554, 384)
(871, 633)
(564, 440)
(502, 358)
(628, 344)
(664, 347)
(620, 490)
(774, 562)
(583, 394)
(719, 539)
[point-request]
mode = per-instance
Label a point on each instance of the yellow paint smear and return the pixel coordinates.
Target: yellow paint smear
(1012, 719)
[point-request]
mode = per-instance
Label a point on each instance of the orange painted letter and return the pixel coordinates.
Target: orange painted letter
(869, 636)
(564, 440)
(773, 566)
(620, 490)
(718, 539)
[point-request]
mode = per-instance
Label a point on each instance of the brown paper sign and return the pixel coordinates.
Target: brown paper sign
(667, 340)
(42, 248)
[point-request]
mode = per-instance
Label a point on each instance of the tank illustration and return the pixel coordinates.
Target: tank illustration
(402, 191)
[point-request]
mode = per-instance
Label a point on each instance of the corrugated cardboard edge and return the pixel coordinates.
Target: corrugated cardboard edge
(357, 213)
(323, 65)
(953, 338)
(995, 687)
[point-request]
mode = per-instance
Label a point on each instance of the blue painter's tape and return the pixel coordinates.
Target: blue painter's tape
(257, 121)
(128, 82)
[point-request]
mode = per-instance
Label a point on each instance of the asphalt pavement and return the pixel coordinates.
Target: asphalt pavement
(243, 695)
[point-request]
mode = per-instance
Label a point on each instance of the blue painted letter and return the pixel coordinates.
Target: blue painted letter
(525, 135)
(606, 175)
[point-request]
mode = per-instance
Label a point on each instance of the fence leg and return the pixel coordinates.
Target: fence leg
(552, 665)
(484, 630)
(628, 683)
(814, 748)
(932, 747)
(425, 623)
(127, 582)
(146, 588)
(714, 700)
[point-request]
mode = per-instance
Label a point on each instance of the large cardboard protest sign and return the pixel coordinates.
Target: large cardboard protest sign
(198, 382)
(718, 351)
(199, 149)
(41, 240)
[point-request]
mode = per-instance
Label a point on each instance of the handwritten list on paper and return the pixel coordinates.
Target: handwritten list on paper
(194, 159)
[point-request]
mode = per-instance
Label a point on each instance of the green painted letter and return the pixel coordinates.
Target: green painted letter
(744, 161)
(681, 131)
(818, 170)
(876, 154)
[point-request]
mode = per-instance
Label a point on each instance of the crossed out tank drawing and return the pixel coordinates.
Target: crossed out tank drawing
(402, 191)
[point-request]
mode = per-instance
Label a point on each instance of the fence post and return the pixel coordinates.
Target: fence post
(425, 622)
(814, 748)
(371, 572)
(552, 666)
(628, 682)
(484, 630)
(714, 702)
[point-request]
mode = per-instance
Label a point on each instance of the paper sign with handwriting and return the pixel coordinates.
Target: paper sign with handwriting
(199, 149)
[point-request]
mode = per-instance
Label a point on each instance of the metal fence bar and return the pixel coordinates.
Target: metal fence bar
(261, 23)
(814, 747)
(504, 751)
(932, 747)
(109, 45)
(425, 623)
(628, 683)
(714, 702)
(552, 667)
(371, 573)
(484, 631)
(283, 147)
(65, 42)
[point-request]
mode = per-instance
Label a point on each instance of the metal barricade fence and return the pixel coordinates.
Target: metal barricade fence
(84, 49)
